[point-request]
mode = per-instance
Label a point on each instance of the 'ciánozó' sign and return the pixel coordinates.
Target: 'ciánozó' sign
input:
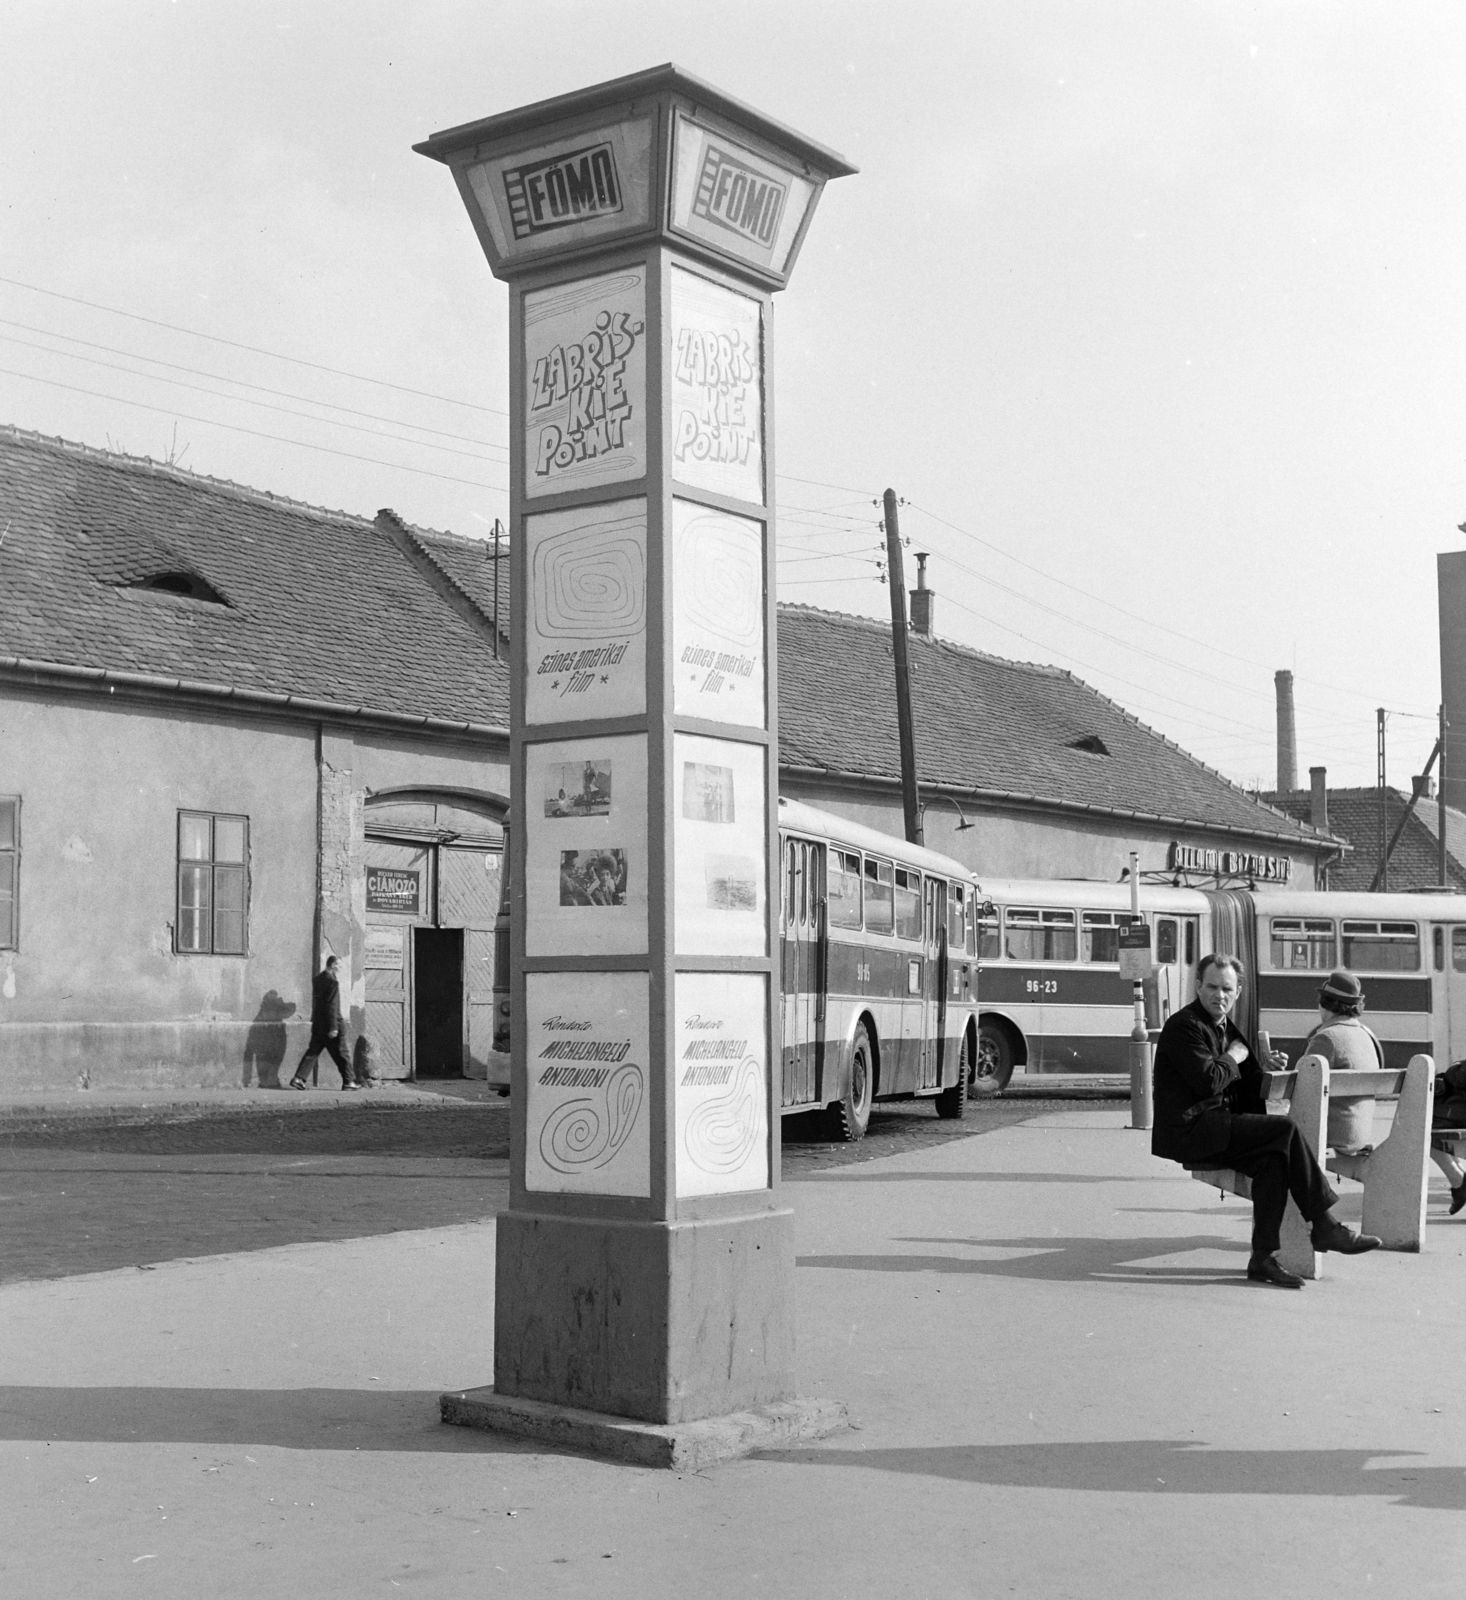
(393, 889)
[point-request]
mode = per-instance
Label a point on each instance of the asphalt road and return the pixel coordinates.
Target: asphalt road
(89, 1193)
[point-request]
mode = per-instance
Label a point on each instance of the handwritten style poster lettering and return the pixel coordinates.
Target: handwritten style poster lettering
(717, 615)
(585, 383)
(587, 1054)
(585, 632)
(721, 1091)
(717, 388)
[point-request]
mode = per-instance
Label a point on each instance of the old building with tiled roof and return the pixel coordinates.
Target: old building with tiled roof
(238, 733)
(1370, 823)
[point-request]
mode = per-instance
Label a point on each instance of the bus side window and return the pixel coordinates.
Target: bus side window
(1438, 948)
(1191, 956)
(990, 936)
(908, 910)
(1458, 949)
(879, 903)
(956, 918)
(971, 944)
(1165, 941)
(790, 846)
(842, 889)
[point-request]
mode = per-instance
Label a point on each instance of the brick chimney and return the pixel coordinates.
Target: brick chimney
(1287, 736)
(923, 601)
(1318, 810)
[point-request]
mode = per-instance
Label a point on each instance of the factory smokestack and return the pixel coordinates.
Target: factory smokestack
(1287, 735)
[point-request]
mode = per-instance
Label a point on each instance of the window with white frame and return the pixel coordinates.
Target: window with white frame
(213, 884)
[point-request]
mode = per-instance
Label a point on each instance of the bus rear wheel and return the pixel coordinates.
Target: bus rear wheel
(849, 1117)
(994, 1065)
(951, 1103)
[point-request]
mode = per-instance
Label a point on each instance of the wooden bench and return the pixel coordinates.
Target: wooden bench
(1394, 1173)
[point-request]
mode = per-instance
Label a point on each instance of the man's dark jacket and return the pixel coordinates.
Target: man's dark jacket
(325, 1004)
(1193, 1069)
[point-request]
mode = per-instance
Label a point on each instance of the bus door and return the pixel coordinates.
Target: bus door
(802, 980)
(1176, 939)
(1448, 975)
(933, 983)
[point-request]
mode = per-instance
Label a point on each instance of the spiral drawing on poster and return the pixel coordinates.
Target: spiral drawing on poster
(721, 1133)
(722, 583)
(589, 1131)
(590, 582)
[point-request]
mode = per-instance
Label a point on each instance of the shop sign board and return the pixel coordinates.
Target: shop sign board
(394, 889)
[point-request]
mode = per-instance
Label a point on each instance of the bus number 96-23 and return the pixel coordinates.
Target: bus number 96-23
(1042, 986)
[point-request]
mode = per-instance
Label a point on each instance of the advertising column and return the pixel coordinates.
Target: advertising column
(644, 1267)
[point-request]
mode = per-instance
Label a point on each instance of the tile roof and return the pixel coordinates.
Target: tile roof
(318, 604)
(988, 725)
(1354, 815)
(325, 606)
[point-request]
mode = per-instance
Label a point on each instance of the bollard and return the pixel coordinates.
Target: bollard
(1140, 1095)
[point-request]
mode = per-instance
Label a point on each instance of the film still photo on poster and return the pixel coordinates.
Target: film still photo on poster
(579, 789)
(717, 615)
(587, 1048)
(585, 629)
(721, 1087)
(585, 847)
(720, 844)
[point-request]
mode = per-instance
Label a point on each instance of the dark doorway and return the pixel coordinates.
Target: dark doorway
(437, 1002)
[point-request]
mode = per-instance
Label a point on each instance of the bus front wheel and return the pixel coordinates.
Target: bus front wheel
(994, 1060)
(849, 1117)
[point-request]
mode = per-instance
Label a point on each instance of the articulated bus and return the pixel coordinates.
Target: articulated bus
(1053, 999)
(878, 970)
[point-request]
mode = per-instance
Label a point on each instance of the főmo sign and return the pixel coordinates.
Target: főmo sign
(732, 195)
(562, 189)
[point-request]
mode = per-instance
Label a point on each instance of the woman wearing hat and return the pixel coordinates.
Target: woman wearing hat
(1344, 1041)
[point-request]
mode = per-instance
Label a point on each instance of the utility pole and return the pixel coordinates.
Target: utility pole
(1384, 815)
(1440, 777)
(897, 578)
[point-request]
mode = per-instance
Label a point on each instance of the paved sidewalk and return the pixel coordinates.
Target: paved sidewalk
(1061, 1384)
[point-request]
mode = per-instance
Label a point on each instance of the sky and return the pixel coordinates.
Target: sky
(1149, 312)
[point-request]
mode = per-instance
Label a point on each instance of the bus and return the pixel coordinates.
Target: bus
(878, 973)
(1053, 999)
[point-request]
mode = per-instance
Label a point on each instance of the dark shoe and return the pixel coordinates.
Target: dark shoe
(1268, 1269)
(1330, 1234)
(1458, 1198)
(295, 1083)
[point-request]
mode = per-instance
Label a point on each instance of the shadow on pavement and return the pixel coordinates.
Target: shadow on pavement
(286, 1419)
(968, 1177)
(1057, 1260)
(1160, 1466)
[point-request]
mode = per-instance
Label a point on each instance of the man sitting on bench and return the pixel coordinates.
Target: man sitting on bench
(1210, 1111)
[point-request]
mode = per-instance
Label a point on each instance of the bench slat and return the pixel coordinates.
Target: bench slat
(1343, 1085)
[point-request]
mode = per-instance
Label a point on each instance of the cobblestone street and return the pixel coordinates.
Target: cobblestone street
(86, 1193)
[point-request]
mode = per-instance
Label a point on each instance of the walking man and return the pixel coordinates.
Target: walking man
(1209, 1107)
(326, 1031)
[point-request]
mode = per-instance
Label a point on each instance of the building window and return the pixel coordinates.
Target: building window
(213, 884)
(9, 872)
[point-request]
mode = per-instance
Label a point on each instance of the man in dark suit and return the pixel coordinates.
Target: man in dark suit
(1210, 1109)
(326, 1029)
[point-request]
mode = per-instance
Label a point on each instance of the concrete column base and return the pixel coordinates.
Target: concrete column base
(661, 1322)
(683, 1446)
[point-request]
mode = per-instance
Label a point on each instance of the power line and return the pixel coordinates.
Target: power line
(256, 350)
(266, 405)
(239, 383)
(255, 433)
